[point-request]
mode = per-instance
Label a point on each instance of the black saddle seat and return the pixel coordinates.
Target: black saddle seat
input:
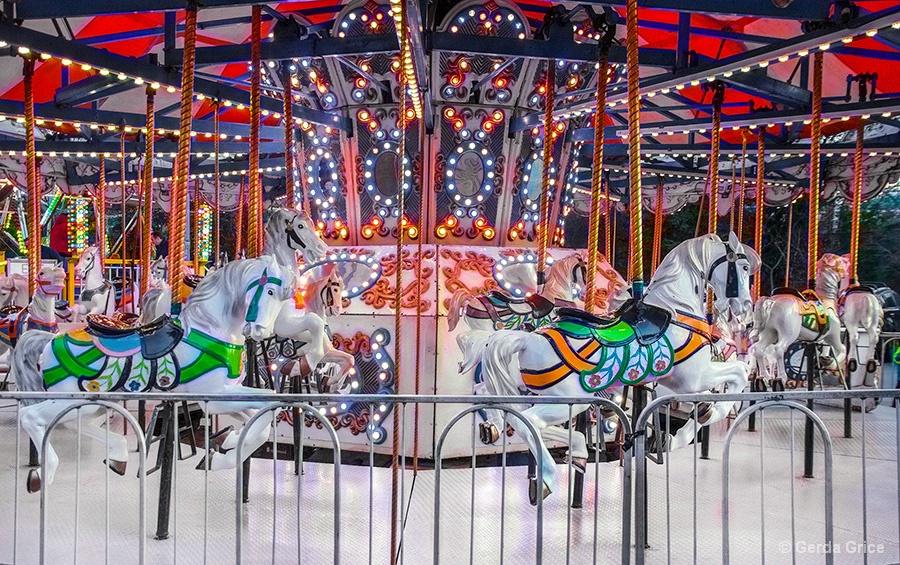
(585, 318)
(61, 304)
(118, 325)
(10, 310)
(787, 291)
(649, 322)
(858, 288)
(118, 284)
(158, 338)
(192, 280)
(540, 306)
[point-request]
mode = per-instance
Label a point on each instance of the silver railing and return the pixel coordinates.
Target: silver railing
(327, 512)
(820, 542)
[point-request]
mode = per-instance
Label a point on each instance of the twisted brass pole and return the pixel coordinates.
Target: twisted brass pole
(255, 202)
(857, 204)
(543, 224)
(33, 206)
(195, 231)
(290, 201)
(147, 195)
(239, 221)
(636, 262)
(814, 171)
(718, 98)
(178, 212)
(740, 214)
(217, 198)
(124, 210)
(596, 183)
(760, 194)
(657, 227)
(100, 220)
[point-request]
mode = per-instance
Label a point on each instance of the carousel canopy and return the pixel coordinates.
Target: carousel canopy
(482, 71)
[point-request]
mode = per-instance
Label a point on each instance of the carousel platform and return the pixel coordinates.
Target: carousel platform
(273, 531)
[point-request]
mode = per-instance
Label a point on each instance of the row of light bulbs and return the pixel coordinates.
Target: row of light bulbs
(409, 69)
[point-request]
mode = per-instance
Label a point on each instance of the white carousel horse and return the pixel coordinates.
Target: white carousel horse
(789, 316)
(857, 306)
(40, 314)
(322, 299)
(13, 291)
(242, 299)
(159, 273)
(97, 294)
(581, 355)
(564, 288)
(158, 299)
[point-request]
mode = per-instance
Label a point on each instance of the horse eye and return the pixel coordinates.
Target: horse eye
(746, 267)
(271, 293)
(299, 226)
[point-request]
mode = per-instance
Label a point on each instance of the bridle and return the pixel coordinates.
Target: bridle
(326, 295)
(259, 284)
(731, 281)
(292, 237)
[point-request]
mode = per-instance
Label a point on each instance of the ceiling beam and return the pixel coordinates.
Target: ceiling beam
(796, 10)
(90, 89)
(700, 73)
(101, 59)
(761, 84)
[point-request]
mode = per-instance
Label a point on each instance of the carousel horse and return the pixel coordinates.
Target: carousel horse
(13, 291)
(789, 316)
(498, 310)
(199, 353)
(664, 336)
(97, 294)
(158, 298)
(39, 315)
(320, 300)
(857, 306)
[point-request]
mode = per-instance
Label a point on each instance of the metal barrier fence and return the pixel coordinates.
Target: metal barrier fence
(819, 543)
(329, 512)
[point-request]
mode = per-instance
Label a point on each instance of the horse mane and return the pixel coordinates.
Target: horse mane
(230, 281)
(686, 262)
(829, 275)
(561, 271)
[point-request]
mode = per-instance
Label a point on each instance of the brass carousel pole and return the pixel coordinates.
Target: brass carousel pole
(290, 201)
(34, 189)
(857, 205)
(657, 226)
(718, 97)
(740, 205)
(400, 19)
(254, 208)
(609, 214)
(147, 195)
(124, 211)
(544, 221)
(636, 261)
(195, 220)
(814, 171)
(597, 202)
(100, 220)
(239, 221)
(178, 212)
(760, 193)
(217, 198)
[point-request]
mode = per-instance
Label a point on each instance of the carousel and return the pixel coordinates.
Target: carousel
(343, 199)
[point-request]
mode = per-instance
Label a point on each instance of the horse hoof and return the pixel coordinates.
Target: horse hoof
(201, 466)
(579, 464)
(704, 412)
(33, 482)
(489, 433)
(852, 365)
(117, 467)
(532, 491)
(871, 366)
(778, 385)
(759, 385)
(218, 439)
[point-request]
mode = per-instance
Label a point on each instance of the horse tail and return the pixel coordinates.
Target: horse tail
(25, 367)
(500, 362)
(761, 311)
(457, 302)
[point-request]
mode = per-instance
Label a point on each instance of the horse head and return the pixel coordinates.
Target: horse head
(296, 231)
(729, 275)
(90, 262)
(159, 273)
(328, 293)
(51, 281)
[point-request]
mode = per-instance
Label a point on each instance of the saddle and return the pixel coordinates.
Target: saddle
(124, 336)
(10, 310)
(192, 280)
(812, 311)
(635, 320)
(534, 305)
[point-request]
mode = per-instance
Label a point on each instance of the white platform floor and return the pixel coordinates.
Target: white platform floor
(277, 494)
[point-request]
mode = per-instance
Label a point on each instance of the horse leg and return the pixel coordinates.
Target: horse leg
(256, 435)
(553, 433)
(853, 350)
(537, 446)
(733, 375)
(35, 420)
(117, 448)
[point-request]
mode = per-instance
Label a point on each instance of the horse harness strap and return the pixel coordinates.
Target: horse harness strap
(702, 333)
(214, 354)
(731, 282)
(89, 294)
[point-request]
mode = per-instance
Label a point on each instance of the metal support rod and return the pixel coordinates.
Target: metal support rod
(581, 426)
(811, 352)
(167, 445)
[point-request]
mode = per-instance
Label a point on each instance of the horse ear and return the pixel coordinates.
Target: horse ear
(733, 241)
